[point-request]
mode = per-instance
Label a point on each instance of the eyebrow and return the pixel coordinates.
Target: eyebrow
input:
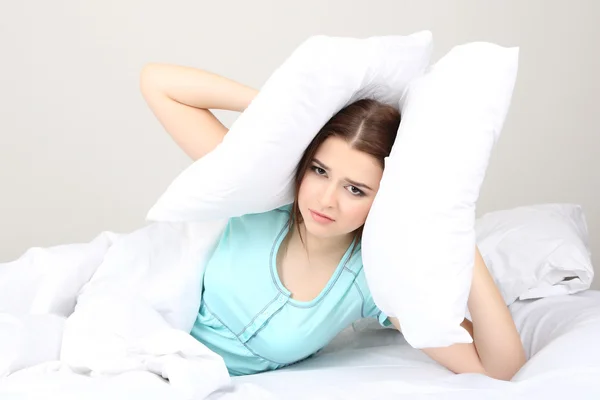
(350, 181)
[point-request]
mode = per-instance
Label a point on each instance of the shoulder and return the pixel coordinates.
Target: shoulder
(278, 214)
(370, 309)
(269, 221)
(360, 280)
(355, 267)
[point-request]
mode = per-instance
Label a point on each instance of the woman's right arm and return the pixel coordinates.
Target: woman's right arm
(180, 97)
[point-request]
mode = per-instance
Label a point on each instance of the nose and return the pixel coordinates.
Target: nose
(328, 196)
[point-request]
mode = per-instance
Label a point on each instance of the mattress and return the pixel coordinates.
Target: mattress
(561, 335)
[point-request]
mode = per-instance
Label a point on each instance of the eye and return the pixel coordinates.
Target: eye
(318, 170)
(355, 191)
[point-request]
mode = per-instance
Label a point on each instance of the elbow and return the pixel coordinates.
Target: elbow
(506, 372)
(501, 376)
(150, 76)
(145, 75)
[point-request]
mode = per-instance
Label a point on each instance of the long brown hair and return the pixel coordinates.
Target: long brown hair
(367, 125)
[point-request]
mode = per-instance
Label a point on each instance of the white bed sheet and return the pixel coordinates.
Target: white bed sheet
(561, 335)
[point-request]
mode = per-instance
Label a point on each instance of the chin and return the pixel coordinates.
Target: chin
(319, 231)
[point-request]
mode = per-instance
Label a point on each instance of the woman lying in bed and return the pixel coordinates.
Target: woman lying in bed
(281, 284)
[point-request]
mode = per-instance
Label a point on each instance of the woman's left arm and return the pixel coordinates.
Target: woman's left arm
(494, 332)
(496, 350)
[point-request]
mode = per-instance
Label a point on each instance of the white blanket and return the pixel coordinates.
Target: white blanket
(136, 297)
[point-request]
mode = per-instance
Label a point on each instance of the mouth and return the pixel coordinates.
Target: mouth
(320, 218)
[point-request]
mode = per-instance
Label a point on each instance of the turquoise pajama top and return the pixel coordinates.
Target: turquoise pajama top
(248, 317)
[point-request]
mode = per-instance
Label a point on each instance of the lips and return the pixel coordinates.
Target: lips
(323, 216)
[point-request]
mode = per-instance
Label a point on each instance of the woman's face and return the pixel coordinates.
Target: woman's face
(338, 189)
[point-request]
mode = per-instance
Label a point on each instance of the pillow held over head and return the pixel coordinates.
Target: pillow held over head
(252, 170)
(419, 238)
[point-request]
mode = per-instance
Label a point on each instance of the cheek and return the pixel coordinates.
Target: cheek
(356, 211)
(311, 185)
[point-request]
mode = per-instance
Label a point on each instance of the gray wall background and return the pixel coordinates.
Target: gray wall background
(81, 153)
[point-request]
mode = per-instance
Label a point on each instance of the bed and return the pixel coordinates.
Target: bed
(560, 334)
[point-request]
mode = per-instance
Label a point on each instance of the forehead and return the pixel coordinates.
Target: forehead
(346, 162)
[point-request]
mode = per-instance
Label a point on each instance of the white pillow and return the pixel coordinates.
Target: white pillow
(531, 250)
(252, 170)
(419, 238)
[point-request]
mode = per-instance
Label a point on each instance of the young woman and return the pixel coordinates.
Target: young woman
(281, 284)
